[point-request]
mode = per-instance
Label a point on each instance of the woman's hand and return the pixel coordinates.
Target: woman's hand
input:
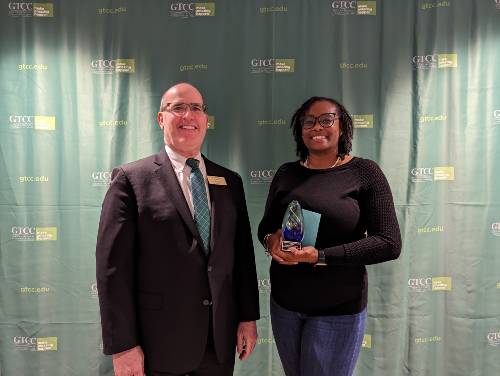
(306, 254)
(273, 248)
(292, 256)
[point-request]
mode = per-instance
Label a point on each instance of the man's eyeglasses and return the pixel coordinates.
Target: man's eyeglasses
(326, 120)
(180, 109)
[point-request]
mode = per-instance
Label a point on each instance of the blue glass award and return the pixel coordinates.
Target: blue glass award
(292, 227)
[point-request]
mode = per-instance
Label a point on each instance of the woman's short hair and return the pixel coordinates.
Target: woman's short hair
(345, 121)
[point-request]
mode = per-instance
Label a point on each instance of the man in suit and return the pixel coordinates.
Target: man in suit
(175, 263)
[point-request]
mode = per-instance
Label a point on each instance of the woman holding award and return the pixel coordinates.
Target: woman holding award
(319, 288)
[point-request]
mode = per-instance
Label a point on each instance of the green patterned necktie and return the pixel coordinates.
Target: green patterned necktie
(200, 202)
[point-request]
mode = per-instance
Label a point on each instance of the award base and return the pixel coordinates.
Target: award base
(286, 244)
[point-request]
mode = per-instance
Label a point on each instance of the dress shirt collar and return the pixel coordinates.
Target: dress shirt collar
(179, 161)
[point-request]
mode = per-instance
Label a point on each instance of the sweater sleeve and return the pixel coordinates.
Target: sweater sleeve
(383, 240)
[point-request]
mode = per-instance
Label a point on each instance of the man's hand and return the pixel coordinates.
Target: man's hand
(129, 362)
(246, 337)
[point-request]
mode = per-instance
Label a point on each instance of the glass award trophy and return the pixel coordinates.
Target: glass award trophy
(292, 227)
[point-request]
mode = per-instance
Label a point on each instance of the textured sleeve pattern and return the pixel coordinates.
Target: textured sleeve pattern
(383, 241)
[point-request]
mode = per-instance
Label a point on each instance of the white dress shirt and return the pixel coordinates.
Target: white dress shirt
(182, 172)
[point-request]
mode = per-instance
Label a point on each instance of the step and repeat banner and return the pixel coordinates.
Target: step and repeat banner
(80, 85)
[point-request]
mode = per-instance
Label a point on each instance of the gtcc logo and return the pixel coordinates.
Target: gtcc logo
(182, 7)
(29, 233)
(344, 8)
(21, 121)
(21, 6)
(420, 59)
(20, 9)
(262, 62)
(425, 61)
(37, 122)
(447, 60)
(420, 284)
(106, 66)
(21, 118)
(272, 65)
(183, 10)
(18, 340)
(261, 176)
(29, 9)
(25, 343)
(109, 66)
(23, 233)
(344, 4)
(103, 66)
(18, 230)
(420, 174)
(101, 63)
(354, 8)
(35, 343)
(266, 65)
(419, 171)
(415, 282)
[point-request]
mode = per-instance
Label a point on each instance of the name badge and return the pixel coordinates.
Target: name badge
(216, 180)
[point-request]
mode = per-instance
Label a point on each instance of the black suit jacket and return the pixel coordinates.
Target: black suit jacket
(156, 286)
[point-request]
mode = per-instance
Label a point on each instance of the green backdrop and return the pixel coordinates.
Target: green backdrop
(80, 84)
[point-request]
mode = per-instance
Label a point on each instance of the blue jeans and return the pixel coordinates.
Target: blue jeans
(317, 345)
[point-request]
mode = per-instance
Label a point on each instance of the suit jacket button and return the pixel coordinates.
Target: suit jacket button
(209, 269)
(207, 302)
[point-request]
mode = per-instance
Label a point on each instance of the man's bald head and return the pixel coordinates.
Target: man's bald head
(179, 90)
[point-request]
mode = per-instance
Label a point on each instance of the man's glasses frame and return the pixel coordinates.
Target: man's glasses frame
(180, 109)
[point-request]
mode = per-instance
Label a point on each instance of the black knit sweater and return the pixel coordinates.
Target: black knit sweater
(358, 227)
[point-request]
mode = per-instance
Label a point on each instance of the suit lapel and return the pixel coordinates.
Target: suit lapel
(174, 194)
